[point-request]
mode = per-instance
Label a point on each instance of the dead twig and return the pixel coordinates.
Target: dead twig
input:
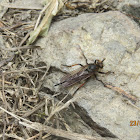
(4, 128)
(6, 82)
(60, 132)
(122, 92)
(34, 137)
(61, 107)
(26, 70)
(38, 106)
(57, 132)
(24, 39)
(5, 61)
(133, 105)
(22, 48)
(12, 136)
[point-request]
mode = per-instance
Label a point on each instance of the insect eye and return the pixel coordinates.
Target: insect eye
(96, 61)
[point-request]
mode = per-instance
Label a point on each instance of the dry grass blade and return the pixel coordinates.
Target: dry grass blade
(133, 105)
(50, 10)
(61, 107)
(38, 106)
(57, 132)
(34, 137)
(26, 70)
(60, 132)
(5, 61)
(14, 136)
(15, 116)
(22, 48)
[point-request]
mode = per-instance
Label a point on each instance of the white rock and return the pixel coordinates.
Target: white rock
(109, 35)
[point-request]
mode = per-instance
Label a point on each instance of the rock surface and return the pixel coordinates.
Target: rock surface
(109, 35)
(131, 8)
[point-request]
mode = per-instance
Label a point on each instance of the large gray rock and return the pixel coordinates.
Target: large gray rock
(109, 35)
(131, 8)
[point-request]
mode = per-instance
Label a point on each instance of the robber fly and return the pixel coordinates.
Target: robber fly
(83, 73)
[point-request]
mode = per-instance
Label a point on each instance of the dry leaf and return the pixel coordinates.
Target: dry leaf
(50, 10)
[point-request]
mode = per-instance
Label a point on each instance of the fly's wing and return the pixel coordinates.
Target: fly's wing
(76, 78)
(73, 73)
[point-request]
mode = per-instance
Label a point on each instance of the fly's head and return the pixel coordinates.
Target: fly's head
(95, 66)
(99, 63)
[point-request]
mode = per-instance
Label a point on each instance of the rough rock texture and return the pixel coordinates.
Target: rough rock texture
(131, 8)
(109, 35)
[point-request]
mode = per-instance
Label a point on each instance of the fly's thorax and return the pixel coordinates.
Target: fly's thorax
(92, 67)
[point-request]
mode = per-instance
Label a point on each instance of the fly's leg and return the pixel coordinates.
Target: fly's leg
(73, 65)
(60, 83)
(102, 72)
(80, 87)
(99, 80)
(83, 55)
(105, 72)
